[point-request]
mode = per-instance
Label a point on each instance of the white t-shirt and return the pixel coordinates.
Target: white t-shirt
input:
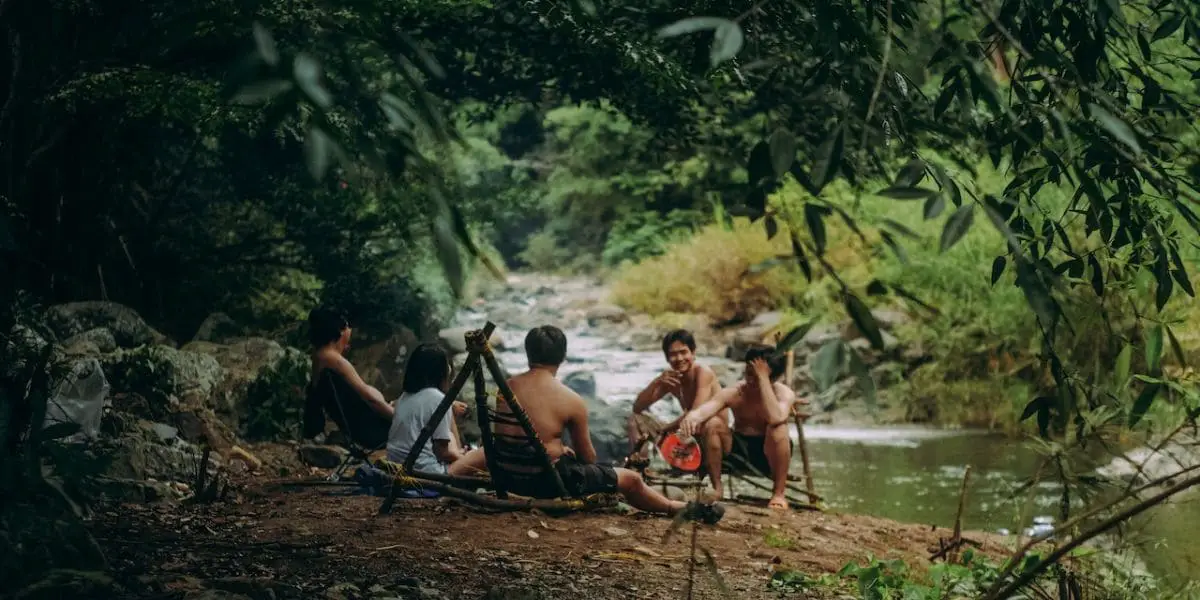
(413, 411)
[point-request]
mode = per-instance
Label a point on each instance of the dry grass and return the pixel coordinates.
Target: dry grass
(708, 275)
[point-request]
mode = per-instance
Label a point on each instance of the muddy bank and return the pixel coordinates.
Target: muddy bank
(308, 543)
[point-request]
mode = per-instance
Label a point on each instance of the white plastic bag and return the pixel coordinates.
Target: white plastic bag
(80, 398)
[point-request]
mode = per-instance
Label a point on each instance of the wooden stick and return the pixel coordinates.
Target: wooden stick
(957, 539)
(485, 433)
(460, 380)
(515, 407)
(804, 461)
(521, 503)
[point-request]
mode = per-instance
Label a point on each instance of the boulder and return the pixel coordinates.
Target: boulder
(381, 364)
(92, 341)
(128, 328)
(606, 313)
(247, 363)
(151, 451)
(607, 423)
(154, 381)
(743, 340)
(218, 328)
(454, 340)
(768, 320)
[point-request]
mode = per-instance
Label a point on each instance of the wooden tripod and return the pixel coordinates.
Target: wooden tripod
(480, 356)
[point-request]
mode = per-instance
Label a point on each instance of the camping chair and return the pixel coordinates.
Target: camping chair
(364, 431)
(517, 460)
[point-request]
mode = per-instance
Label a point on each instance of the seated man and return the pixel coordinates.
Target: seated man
(553, 409)
(426, 379)
(692, 384)
(359, 410)
(761, 406)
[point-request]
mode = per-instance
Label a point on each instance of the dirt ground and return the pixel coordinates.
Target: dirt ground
(316, 542)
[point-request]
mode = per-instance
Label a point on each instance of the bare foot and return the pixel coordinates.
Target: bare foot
(778, 503)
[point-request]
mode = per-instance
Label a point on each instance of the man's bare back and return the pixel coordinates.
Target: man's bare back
(552, 409)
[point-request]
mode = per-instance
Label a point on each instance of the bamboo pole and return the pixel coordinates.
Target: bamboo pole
(804, 461)
(519, 503)
(485, 432)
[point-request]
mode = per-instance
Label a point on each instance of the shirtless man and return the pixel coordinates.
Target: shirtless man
(761, 406)
(554, 408)
(371, 415)
(693, 385)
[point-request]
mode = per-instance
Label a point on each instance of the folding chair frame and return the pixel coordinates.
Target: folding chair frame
(353, 449)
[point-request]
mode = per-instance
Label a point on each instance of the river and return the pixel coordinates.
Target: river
(910, 474)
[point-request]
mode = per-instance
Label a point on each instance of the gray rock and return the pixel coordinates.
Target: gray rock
(322, 457)
(768, 320)
(820, 334)
(140, 454)
(135, 491)
(582, 383)
(100, 339)
(342, 591)
(890, 319)
(381, 363)
(242, 363)
(218, 328)
(214, 595)
(454, 340)
(128, 328)
(606, 313)
(606, 422)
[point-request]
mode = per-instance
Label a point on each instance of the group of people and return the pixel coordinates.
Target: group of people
(757, 435)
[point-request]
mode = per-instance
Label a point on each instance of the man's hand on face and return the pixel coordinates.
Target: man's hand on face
(459, 408)
(761, 370)
(669, 379)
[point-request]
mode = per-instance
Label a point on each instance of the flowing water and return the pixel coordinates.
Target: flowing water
(911, 474)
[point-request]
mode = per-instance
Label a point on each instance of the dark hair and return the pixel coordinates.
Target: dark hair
(679, 335)
(775, 362)
(325, 326)
(428, 367)
(546, 345)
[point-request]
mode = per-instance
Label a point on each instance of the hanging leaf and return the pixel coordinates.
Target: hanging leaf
(265, 44)
(317, 147)
(934, 206)
(801, 258)
(468, 241)
(827, 364)
(897, 249)
(864, 320)
(998, 268)
(1035, 406)
(829, 159)
(957, 226)
(1154, 348)
(1097, 275)
(1165, 283)
(1043, 418)
(814, 216)
(691, 25)
(308, 76)
(862, 378)
(876, 288)
(948, 186)
(803, 179)
(907, 193)
(782, 151)
(760, 168)
(448, 254)
(1176, 349)
(1115, 126)
(793, 337)
(1168, 27)
(911, 174)
(772, 227)
(1122, 367)
(901, 229)
(1143, 402)
(727, 42)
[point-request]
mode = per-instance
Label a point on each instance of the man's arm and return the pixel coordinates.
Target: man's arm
(369, 394)
(581, 438)
(777, 408)
(705, 381)
(699, 414)
(647, 397)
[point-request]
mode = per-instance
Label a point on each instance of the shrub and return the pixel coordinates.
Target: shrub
(710, 274)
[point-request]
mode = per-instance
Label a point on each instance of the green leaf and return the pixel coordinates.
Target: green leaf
(801, 258)
(998, 268)
(1143, 402)
(691, 25)
(907, 193)
(317, 147)
(876, 288)
(586, 7)
(1034, 406)
(814, 216)
(934, 206)
(1043, 419)
(1176, 349)
(1122, 367)
(1097, 275)
(783, 151)
(760, 165)
(948, 187)
(727, 42)
(794, 337)
(957, 226)
(1154, 348)
(448, 254)
(1118, 128)
(897, 249)
(1168, 27)
(862, 378)
(829, 159)
(772, 227)
(911, 174)
(308, 76)
(827, 365)
(900, 229)
(58, 431)
(864, 320)
(265, 44)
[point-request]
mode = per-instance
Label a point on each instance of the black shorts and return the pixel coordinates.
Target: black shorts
(580, 479)
(748, 455)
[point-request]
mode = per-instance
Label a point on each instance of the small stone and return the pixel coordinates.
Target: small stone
(615, 531)
(324, 457)
(533, 535)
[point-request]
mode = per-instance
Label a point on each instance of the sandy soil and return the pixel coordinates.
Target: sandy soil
(313, 542)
